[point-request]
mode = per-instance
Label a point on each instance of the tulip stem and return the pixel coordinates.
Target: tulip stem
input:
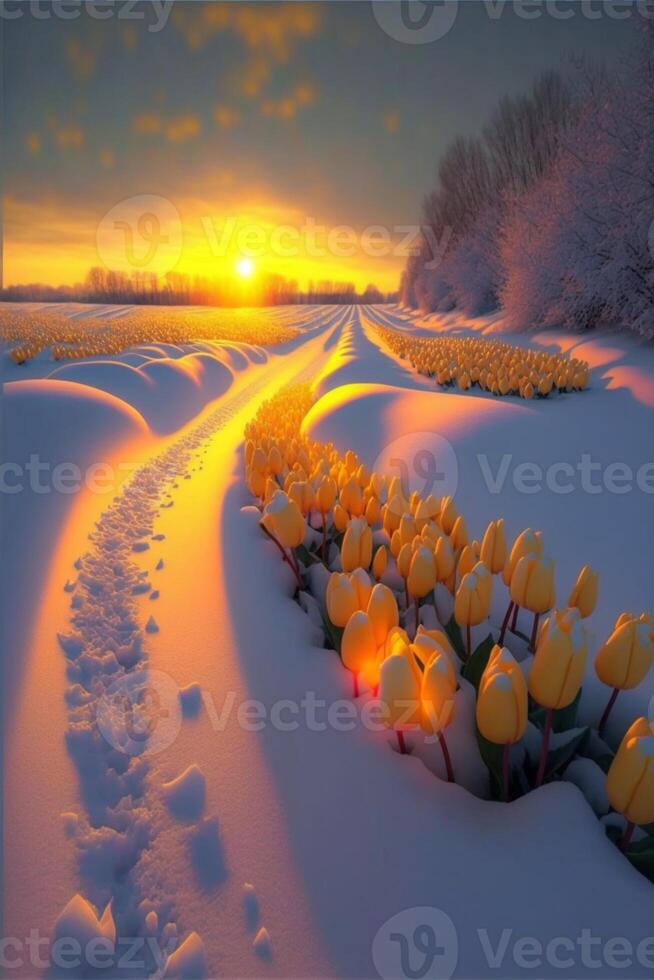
(506, 772)
(505, 623)
(534, 632)
(446, 756)
(514, 624)
(355, 690)
(626, 837)
(468, 641)
(401, 742)
(544, 749)
(288, 558)
(607, 711)
(323, 550)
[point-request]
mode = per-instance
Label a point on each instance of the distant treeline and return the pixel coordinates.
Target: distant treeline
(175, 289)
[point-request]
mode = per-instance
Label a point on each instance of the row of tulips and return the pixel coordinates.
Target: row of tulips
(493, 366)
(32, 332)
(387, 554)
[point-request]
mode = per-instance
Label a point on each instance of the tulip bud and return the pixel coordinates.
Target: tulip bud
(426, 511)
(624, 660)
(363, 476)
(584, 592)
(275, 461)
(471, 604)
(493, 547)
(557, 671)
(448, 514)
(630, 780)
(444, 559)
(326, 494)
(502, 700)
(459, 535)
(399, 692)
(362, 585)
(356, 548)
(380, 562)
(396, 544)
(341, 518)
(383, 612)
(351, 498)
(341, 599)
(404, 560)
(301, 492)
(467, 561)
(283, 518)
(372, 511)
(527, 543)
(484, 581)
(422, 573)
(407, 529)
(351, 462)
(532, 584)
(437, 694)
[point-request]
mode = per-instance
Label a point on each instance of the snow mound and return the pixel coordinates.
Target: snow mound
(80, 921)
(188, 960)
(185, 795)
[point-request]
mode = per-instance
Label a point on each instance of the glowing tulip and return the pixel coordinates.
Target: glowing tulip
(485, 582)
(358, 646)
(437, 703)
(584, 592)
(383, 612)
(380, 562)
(356, 548)
(630, 780)
(399, 693)
(557, 671)
(625, 659)
(493, 547)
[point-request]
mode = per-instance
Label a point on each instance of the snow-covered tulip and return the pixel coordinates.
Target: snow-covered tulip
(380, 562)
(630, 780)
(625, 659)
(341, 599)
(532, 587)
(584, 592)
(437, 703)
(502, 705)
(351, 498)
(399, 693)
(341, 518)
(358, 647)
(557, 671)
(493, 547)
(422, 573)
(471, 604)
(356, 548)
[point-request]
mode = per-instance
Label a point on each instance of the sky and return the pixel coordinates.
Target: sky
(219, 139)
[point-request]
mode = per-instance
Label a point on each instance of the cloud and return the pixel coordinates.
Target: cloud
(183, 128)
(272, 28)
(147, 123)
(226, 116)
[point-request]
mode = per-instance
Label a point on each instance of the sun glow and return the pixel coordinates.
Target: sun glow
(245, 268)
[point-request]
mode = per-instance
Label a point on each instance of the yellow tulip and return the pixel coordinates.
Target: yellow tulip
(532, 584)
(380, 562)
(502, 701)
(493, 547)
(584, 592)
(428, 645)
(356, 548)
(341, 518)
(301, 492)
(467, 561)
(351, 498)
(383, 612)
(437, 694)
(282, 518)
(358, 646)
(326, 494)
(422, 573)
(396, 544)
(372, 511)
(275, 461)
(471, 602)
(485, 582)
(630, 780)
(341, 599)
(399, 693)
(363, 476)
(624, 660)
(459, 534)
(444, 559)
(404, 560)
(407, 529)
(448, 514)
(529, 542)
(351, 462)
(558, 668)
(426, 511)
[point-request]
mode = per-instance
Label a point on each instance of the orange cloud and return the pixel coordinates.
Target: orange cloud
(183, 128)
(269, 27)
(147, 123)
(287, 107)
(226, 116)
(392, 122)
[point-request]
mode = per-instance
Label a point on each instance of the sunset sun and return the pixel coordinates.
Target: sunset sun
(245, 268)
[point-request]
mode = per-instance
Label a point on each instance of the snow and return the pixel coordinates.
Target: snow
(288, 847)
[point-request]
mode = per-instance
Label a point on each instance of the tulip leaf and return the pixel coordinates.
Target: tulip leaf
(476, 665)
(563, 719)
(453, 631)
(493, 757)
(307, 557)
(559, 757)
(333, 634)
